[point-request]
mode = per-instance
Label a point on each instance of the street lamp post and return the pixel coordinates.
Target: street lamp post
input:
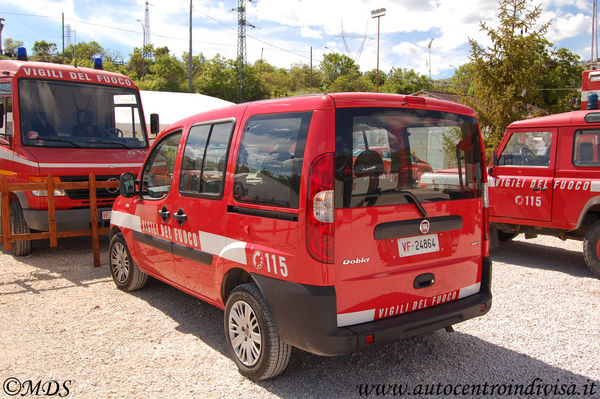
(143, 47)
(380, 12)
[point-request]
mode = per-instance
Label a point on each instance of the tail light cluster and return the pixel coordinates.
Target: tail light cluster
(320, 212)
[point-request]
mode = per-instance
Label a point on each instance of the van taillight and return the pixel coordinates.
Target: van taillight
(320, 209)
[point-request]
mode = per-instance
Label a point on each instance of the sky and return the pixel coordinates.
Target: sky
(285, 30)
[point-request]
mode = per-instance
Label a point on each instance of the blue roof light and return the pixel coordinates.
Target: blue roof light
(98, 63)
(22, 54)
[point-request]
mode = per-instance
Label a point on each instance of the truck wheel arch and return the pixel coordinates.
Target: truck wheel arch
(590, 213)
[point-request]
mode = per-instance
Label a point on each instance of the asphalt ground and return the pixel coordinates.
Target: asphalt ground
(65, 325)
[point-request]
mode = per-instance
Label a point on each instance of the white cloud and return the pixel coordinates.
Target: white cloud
(305, 31)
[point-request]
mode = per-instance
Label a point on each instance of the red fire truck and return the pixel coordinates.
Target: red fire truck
(66, 122)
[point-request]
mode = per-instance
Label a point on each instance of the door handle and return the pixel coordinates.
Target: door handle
(164, 214)
(180, 216)
(538, 189)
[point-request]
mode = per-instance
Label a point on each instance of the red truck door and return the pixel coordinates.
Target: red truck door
(521, 186)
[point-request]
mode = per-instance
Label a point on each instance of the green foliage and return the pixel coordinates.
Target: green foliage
(335, 65)
(11, 46)
(405, 81)
(44, 51)
(503, 72)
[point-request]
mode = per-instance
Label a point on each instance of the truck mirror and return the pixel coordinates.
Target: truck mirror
(1, 115)
(154, 125)
(127, 185)
(494, 158)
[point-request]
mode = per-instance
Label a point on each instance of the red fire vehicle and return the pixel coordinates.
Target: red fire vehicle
(545, 179)
(590, 89)
(313, 243)
(66, 122)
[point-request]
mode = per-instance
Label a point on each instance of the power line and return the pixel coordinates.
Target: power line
(294, 52)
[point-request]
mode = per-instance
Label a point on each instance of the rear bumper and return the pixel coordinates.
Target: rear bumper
(66, 219)
(306, 316)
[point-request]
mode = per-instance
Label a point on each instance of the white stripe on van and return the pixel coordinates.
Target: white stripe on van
(224, 247)
(491, 182)
(348, 319)
(126, 220)
(470, 290)
(364, 316)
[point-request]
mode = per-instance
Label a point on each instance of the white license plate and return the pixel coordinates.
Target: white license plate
(418, 245)
(106, 215)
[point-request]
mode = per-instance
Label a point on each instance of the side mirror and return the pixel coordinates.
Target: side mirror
(1, 115)
(154, 125)
(127, 185)
(494, 163)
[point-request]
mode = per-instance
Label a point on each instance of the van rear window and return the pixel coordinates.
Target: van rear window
(389, 156)
(269, 162)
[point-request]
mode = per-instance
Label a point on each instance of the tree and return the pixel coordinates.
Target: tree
(559, 81)
(462, 81)
(352, 82)
(405, 81)
(11, 46)
(372, 76)
(503, 72)
(219, 79)
(83, 53)
(335, 65)
(44, 51)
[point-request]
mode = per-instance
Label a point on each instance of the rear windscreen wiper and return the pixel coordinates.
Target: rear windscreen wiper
(407, 194)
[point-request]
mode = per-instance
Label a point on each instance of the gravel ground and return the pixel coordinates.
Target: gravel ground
(64, 321)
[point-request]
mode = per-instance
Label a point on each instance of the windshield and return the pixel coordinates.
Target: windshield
(75, 115)
(388, 156)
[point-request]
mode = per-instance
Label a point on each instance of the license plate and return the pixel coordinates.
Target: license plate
(418, 245)
(106, 215)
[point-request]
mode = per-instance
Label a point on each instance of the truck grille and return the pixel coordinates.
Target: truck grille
(84, 194)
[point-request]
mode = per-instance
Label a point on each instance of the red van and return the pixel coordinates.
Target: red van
(284, 213)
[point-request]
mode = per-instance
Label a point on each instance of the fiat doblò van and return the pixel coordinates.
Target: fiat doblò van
(303, 219)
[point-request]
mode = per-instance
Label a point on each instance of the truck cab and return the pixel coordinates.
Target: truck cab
(545, 179)
(66, 122)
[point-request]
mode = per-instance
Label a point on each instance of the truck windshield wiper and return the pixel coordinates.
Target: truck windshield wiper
(108, 142)
(60, 141)
(407, 194)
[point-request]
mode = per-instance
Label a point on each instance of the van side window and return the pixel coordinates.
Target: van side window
(269, 162)
(586, 148)
(527, 149)
(205, 159)
(158, 170)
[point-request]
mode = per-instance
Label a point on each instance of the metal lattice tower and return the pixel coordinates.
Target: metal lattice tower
(147, 40)
(241, 54)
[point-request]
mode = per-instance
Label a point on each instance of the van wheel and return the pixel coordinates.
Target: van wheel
(18, 226)
(591, 249)
(504, 236)
(125, 273)
(251, 334)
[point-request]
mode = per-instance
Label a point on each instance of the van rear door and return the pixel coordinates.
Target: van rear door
(401, 243)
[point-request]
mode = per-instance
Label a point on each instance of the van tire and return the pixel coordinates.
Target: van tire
(19, 226)
(273, 354)
(591, 249)
(125, 273)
